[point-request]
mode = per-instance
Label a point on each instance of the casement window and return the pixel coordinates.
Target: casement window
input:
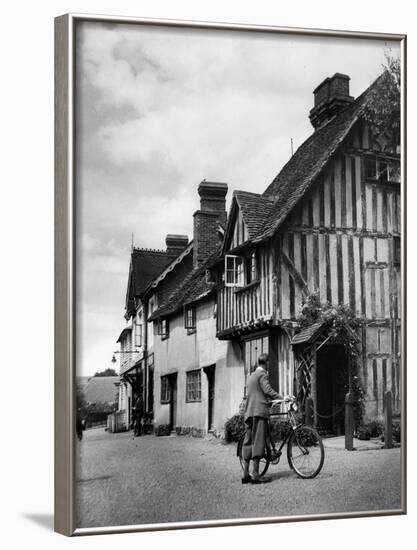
(397, 251)
(163, 328)
(193, 393)
(190, 319)
(165, 390)
(240, 271)
(251, 274)
(378, 169)
(234, 274)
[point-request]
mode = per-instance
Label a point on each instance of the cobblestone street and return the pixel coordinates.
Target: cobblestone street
(122, 480)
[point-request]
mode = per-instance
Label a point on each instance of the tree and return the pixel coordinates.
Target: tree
(106, 372)
(383, 108)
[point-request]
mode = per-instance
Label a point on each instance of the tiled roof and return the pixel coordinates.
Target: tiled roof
(171, 265)
(254, 208)
(101, 389)
(146, 265)
(308, 162)
(309, 334)
(124, 331)
(193, 288)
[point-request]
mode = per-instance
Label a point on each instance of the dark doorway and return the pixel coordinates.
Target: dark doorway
(173, 401)
(210, 383)
(332, 367)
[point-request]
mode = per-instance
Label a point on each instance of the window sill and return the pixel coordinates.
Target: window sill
(164, 337)
(191, 331)
(248, 287)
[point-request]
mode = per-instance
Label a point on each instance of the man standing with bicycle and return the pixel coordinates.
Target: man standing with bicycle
(257, 437)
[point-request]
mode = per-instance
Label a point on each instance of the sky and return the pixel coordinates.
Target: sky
(159, 109)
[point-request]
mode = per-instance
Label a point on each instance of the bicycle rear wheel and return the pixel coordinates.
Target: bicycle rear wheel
(263, 463)
(305, 452)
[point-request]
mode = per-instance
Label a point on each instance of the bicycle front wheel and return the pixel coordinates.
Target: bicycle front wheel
(305, 452)
(263, 463)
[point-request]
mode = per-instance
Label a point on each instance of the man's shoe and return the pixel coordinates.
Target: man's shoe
(246, 479)
(257, 480)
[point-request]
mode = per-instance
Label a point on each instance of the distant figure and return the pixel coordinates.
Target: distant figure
(257, 436)
(79, 425)
(138, 415)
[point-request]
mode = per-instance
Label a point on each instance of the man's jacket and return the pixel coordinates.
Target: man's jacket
(258, 392)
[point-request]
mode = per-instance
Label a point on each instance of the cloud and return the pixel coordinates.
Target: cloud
(158, 110)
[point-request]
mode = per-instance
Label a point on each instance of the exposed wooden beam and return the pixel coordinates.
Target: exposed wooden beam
(295, 274)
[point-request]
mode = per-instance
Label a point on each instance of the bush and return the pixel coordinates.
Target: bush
(396, 432)
(234, 428)
(374, 428)
(363, 433)
(163, 429)
(279, 429)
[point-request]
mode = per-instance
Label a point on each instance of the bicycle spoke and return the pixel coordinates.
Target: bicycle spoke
(305, 452)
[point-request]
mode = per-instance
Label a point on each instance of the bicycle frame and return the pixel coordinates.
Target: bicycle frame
(294, 426)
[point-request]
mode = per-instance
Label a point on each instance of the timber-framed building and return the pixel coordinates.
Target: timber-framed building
(329, 223)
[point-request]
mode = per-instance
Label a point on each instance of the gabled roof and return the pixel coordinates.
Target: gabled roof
(310, 333)
(122, 335)
(170, 267)
(308, 162)
(146, 265)
(254, 209)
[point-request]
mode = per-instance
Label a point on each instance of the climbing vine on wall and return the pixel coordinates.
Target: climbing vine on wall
(343, 327)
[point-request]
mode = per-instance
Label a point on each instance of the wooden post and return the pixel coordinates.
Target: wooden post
(349, 421)
(309, 412)
(313, 379)
(388, 421)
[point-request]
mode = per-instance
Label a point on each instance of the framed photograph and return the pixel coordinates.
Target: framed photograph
(230, 274)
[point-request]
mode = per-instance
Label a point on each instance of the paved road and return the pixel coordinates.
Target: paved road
(150, 479)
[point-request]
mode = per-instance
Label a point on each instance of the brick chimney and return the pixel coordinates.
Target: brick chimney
(330, 97)
(176, 244)
(206, 220)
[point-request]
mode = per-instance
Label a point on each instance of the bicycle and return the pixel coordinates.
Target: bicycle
(305, 450)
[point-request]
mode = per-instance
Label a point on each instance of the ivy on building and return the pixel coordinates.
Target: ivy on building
(343, 328)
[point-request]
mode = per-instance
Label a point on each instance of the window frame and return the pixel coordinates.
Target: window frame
(139, 334)
(251, 268)
(165, 396)
(190, 319)
(391, 166)
(237, 270)
(396, 250)
(163, 328)
(193, 385)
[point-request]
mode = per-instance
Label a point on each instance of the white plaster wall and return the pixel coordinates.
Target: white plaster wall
(182, 352)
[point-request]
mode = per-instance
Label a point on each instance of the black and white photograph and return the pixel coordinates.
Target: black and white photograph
(238, 275)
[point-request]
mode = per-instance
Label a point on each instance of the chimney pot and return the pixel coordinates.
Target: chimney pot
(330, 97)
(176, 244)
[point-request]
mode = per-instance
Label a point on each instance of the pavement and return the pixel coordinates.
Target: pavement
(338, 442)
(123, 480)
